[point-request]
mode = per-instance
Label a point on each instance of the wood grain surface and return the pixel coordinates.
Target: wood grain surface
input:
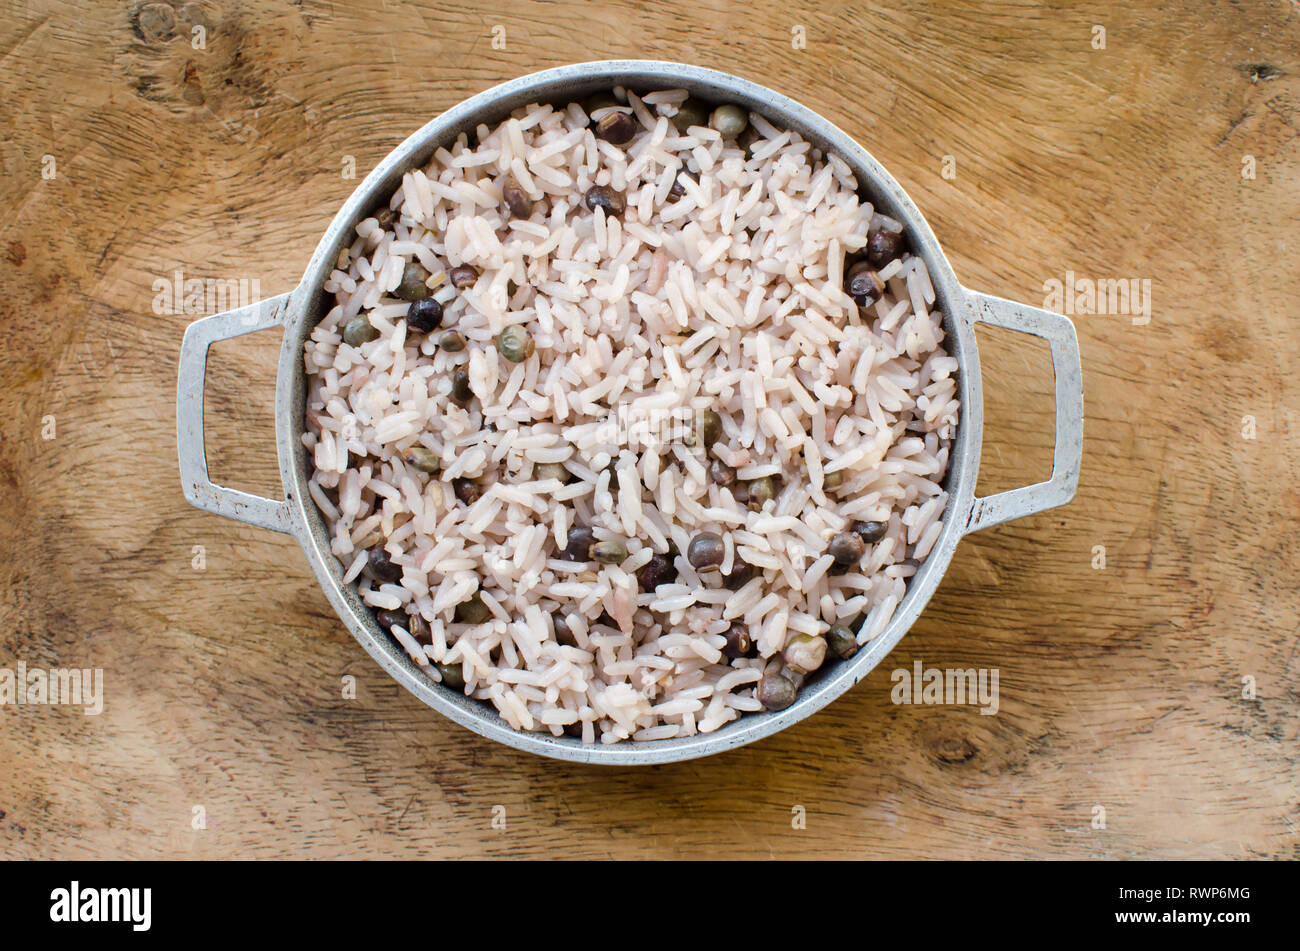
(1148, 708)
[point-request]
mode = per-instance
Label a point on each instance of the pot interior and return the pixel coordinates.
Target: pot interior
(558, 87)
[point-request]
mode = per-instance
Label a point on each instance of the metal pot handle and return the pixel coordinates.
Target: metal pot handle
(1059, 489)
(199, 489)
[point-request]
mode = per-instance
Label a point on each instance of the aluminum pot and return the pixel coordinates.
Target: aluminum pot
(299, 310)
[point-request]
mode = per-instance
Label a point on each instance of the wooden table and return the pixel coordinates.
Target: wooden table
(1128, 725)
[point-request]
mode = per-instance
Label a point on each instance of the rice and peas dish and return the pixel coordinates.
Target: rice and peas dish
(630, 416)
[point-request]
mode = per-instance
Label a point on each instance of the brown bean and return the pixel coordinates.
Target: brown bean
(870, 532)
(414, 624)
(419, 629)
(705, 551)
(381, 565)
(776, 691)
(658, 570)
(579, 544)
(465, 490)
(617, 127)
(462, 276)
(739, 643)
(722, 474)
(460, 389)
(883, 246)
(387, 619)
(424, 315)
(847, 548)
(516, 199)
(863, 284)
(601, 196)
(742, 572)
(563, 633)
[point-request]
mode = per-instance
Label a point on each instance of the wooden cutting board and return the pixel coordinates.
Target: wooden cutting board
(1146, 636)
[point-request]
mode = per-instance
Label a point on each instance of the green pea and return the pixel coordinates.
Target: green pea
(473, 611)
(762, 490)
(359, 331)
(804, 653)
(453, 341)
(842, 642)
(729, 120)
(515, 344)
(601, 100)
(412, 286)
(689, 113)
(453, 676)
(710, 426)
(424, 459)
(609, 553)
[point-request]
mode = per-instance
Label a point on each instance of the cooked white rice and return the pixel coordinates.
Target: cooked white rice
(728, 298)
